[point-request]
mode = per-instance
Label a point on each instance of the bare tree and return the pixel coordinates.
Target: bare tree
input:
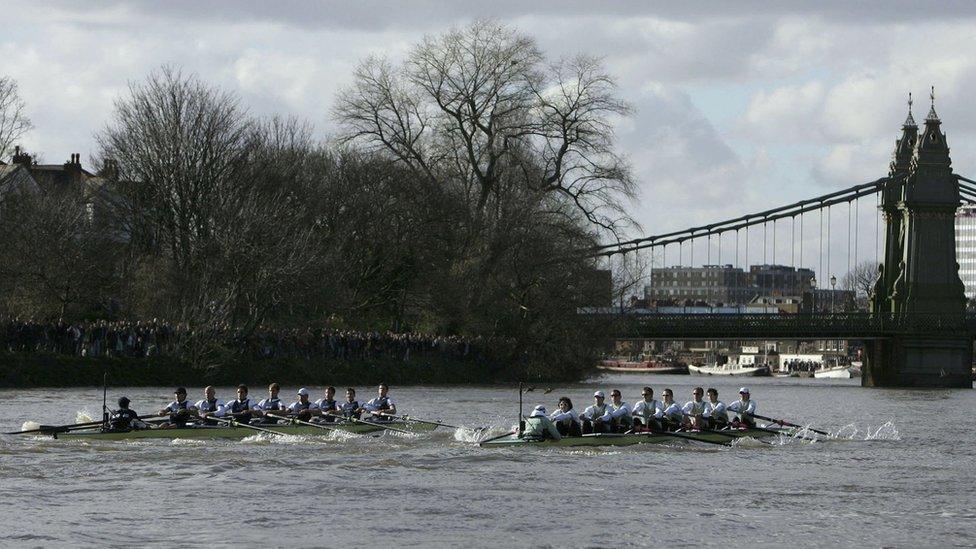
(860, 280)
(479, 107)
(14, 122)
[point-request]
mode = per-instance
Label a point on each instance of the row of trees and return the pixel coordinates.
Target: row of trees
(461, 181)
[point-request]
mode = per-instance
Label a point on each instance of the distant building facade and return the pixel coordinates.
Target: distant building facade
(726, 284)
(966, 247)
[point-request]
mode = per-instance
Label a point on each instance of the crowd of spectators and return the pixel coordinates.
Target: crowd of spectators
(155, 338)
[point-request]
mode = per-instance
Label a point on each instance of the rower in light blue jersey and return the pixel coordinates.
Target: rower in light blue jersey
(381, 407)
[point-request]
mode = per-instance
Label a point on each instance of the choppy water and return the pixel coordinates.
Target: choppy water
(903, 475)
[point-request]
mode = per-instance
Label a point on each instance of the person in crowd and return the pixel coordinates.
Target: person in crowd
(382, 406)
(618, 416)
(210, 405)
(648, 411)
(302, 408)
(539, 427)
(326, 407)
(179, 411)
(241, 408)
(125, 418)
(673, 415)
(694, 409)
(566, 419)
(744, 408)
(591, 416)
(715, 412)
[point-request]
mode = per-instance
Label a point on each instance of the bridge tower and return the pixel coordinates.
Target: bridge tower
(920, 282)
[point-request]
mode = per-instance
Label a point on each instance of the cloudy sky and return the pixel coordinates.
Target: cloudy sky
(739, 106)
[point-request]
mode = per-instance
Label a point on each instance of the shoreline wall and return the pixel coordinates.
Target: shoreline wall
(23, 371)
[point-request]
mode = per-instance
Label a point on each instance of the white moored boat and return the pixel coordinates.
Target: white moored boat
(730, 369)
(837, 372)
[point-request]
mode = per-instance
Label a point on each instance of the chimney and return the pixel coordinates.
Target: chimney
(21, 157)
(73, 166)
(110, 169)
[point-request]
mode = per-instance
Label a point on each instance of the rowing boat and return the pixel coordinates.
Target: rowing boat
(239, 432)
(618, 439)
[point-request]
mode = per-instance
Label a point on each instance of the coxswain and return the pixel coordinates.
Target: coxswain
(303, 408)
(618, 416)
(566, 419)
(327, 406)
(648, 411)
(179, 411)
(241, 408)
(694, 409)
(672, 411)
(592, 414)
(743, 408)
(125, 419)
(382, 406)
(350, 409)
(715, 412)
(210, 406)
(271, 406)
(540, 427)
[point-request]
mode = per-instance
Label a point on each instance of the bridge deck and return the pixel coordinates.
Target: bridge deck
(783, 326)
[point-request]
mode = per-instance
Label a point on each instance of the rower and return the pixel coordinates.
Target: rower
(648, 412)
(672, 411)
(303, 407)
(350, 408)
(210, 406)
(592, 414)
(743, 408)
(327, 406)
(125, 419)
(618, 415)
(179, 410)
(566, 419)
(382, 406)
(271, 406)
(539, 427)
(715, 412)
(241, 408)
(694, 409)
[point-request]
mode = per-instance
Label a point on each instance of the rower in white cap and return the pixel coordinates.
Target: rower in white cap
(303, 408)
(592, 414)
(744, 408)
(540, 427)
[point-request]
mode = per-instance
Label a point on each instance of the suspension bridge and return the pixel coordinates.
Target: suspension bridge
(916, 331)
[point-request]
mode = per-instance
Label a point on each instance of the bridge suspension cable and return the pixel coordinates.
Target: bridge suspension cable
(742, 222)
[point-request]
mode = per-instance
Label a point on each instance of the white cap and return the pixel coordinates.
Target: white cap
(303, 391)
(539, 411)
(744, 390)
(599, 394)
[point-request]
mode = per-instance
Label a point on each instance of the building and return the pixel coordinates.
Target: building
(966, 247)
(725, 284)
(710, 284)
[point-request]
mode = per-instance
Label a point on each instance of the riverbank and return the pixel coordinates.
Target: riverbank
(23, 371)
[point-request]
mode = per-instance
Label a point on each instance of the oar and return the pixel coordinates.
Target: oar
(498, 437)
(380, 425)
(48, 429)
(310, 424)
(692, 437)
(788, 424)
(249, 426)
(439, 424)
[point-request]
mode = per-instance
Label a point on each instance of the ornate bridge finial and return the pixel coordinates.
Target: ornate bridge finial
(910, 120)
(932, 115)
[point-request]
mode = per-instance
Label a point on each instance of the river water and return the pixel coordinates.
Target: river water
(902, 474)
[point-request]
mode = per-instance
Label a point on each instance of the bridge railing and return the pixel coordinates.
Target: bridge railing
(814, 325)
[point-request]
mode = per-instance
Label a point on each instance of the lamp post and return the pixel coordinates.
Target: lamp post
(813, 292)
(833, 283)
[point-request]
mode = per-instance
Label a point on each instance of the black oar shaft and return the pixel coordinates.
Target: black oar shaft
(788, 424)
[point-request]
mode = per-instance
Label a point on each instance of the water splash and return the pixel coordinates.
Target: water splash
(30, 426)
(464, 434)
(884, 432)
(83, 416)
(188, 442)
